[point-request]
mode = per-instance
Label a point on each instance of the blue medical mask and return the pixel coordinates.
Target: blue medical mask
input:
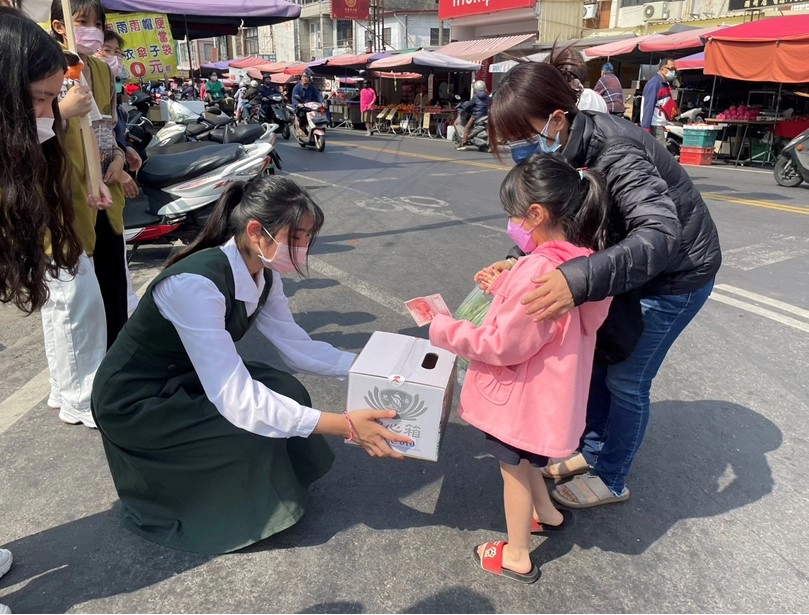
(671, 75)
(522, 150)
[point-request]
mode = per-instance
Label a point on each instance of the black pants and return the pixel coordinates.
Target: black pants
(108, 260)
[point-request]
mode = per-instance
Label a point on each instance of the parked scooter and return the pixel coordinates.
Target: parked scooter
(316, 119)
(792, 166)
(181, 184)
(139, 128)
(273, 111)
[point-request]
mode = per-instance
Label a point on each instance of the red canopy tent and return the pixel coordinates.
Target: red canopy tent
(681, 40)
(618, 48)
(774, 49)
(693, 62)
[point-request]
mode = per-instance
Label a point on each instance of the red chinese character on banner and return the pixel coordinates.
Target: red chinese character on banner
(137, 69)
(156, 67)
(168, 50)
(142, 52)
(134, 25)
(163, 36)
(159, 23)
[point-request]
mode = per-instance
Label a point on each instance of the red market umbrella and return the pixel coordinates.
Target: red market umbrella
(400, 76)
(427, 60)
(246, 62)
(774, 49)
(681, 40)
(692, 62)
(618, 48)
(355, 61)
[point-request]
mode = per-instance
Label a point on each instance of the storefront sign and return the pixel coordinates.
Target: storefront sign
(447, 9)
(746, 5)
(149, 51)
(350, 9)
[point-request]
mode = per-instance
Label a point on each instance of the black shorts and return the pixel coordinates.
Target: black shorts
(511, 454)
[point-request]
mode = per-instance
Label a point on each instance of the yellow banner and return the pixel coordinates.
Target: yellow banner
(149, 52)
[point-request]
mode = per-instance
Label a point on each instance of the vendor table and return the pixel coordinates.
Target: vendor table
(743, 134)
(345, 113)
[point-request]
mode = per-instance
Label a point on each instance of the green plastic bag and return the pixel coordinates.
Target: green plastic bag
(474, 309)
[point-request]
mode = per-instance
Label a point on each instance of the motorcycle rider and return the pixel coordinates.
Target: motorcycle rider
(250, 98)
(304, 92)
(478, 107)
(267, 89)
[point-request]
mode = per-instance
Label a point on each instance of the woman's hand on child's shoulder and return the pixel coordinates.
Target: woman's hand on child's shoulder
(487, 276)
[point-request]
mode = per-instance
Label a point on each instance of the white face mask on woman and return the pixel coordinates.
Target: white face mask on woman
(45, 129)
(281, 262)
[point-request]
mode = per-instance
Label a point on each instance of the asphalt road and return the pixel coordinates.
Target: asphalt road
(716, 522)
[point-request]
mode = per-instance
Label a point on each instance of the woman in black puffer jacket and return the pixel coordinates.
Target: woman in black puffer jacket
(666, 252)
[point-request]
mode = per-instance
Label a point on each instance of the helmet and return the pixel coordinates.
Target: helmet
(266, 75)
(245, 82)
(479, 86)
(254, 84)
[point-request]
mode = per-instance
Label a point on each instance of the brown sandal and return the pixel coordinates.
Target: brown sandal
(559, 469)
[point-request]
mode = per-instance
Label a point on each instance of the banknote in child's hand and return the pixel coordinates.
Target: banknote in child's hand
(424, 309)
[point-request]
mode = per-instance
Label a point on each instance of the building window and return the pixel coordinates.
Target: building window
(434, 42)
(314, 36)
(251, 46)
(208, 52)
(632, 2)
(387, 37)
(345, 33)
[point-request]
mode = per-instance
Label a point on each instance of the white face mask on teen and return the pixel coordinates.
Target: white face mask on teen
(281, 262)
(45, 129)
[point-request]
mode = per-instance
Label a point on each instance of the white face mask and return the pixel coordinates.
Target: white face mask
(45, 129)
(281, 262)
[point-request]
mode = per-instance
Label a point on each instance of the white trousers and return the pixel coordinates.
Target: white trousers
(75, 330)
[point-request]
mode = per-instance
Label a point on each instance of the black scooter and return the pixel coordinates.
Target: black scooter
(274, 111)
(792, 166)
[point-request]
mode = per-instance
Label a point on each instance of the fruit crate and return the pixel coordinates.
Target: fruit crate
(699, 137)
(696, 155)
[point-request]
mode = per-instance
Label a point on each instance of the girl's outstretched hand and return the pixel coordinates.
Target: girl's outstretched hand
(486, 276)
(372, 436)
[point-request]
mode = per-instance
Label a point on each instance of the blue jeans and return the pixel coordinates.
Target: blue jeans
(618, 406)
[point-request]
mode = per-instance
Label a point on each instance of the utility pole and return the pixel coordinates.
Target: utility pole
(321, 54)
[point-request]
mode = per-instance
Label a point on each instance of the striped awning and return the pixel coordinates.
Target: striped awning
(484, 48)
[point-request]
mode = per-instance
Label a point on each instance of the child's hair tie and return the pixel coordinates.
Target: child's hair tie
(581, 173)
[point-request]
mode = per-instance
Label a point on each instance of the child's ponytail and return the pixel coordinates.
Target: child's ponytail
(592, 227)
(218, 228)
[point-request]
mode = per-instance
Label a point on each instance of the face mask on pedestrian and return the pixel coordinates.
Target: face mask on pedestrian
(671, 75)
(115, 63)
(214, 78)
(281, 262)
(521, 238)
(522, 150)
(88, 40)
(45, 129)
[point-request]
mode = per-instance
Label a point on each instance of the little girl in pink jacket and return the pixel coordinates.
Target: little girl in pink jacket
(527, 383)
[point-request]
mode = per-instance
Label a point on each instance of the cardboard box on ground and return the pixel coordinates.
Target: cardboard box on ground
(411, 376)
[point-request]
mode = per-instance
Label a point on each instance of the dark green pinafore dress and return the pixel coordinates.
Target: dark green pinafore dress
(187, 477)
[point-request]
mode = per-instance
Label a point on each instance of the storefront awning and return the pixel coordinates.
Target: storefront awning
(507, 65)
(484, 48)
(689, 39)
(773, 49)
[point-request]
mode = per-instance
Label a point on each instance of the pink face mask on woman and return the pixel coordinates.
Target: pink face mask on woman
(115, 63)
(281, 262)
(88, 40)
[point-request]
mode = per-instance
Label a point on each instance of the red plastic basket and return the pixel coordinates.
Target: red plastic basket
(696, 155)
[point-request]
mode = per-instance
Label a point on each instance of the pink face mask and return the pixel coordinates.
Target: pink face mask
(521, 238)
(281, 262)
(88, 40)
(115, 63)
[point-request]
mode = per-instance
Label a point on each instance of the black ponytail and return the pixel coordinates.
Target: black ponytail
(275, 202)
(592, 217)
(576, 200)
(217, 227)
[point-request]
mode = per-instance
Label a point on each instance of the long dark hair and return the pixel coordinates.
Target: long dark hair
(34, 198)
(575, 199)
(276, 202)
(534, 90)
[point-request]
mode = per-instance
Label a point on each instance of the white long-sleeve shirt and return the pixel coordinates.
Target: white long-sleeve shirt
(196, 308)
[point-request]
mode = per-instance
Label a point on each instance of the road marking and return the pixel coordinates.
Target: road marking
(715, 196)
(778, 249)
(370, 180)
(785, 307)
(760, 311)
(31, 394)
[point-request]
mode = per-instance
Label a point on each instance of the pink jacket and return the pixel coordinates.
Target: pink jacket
(367, 99)
(527, 382)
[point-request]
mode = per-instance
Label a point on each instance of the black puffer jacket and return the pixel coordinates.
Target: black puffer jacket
(671, 245)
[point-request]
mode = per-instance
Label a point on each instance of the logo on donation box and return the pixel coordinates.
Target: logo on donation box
(447, 9)
(408, 407)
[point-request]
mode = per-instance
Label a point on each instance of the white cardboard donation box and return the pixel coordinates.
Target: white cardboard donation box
(411, 376)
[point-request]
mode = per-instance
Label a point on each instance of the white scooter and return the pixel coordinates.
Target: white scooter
(316, 126)
(180, 185)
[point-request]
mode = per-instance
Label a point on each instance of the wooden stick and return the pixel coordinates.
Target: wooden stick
(92, 161)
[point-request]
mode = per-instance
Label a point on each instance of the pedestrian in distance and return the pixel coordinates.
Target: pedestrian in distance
(210, 453)
(367, 107)
(527, 381)
(659, 106)
(660, 265)
(610, 89)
